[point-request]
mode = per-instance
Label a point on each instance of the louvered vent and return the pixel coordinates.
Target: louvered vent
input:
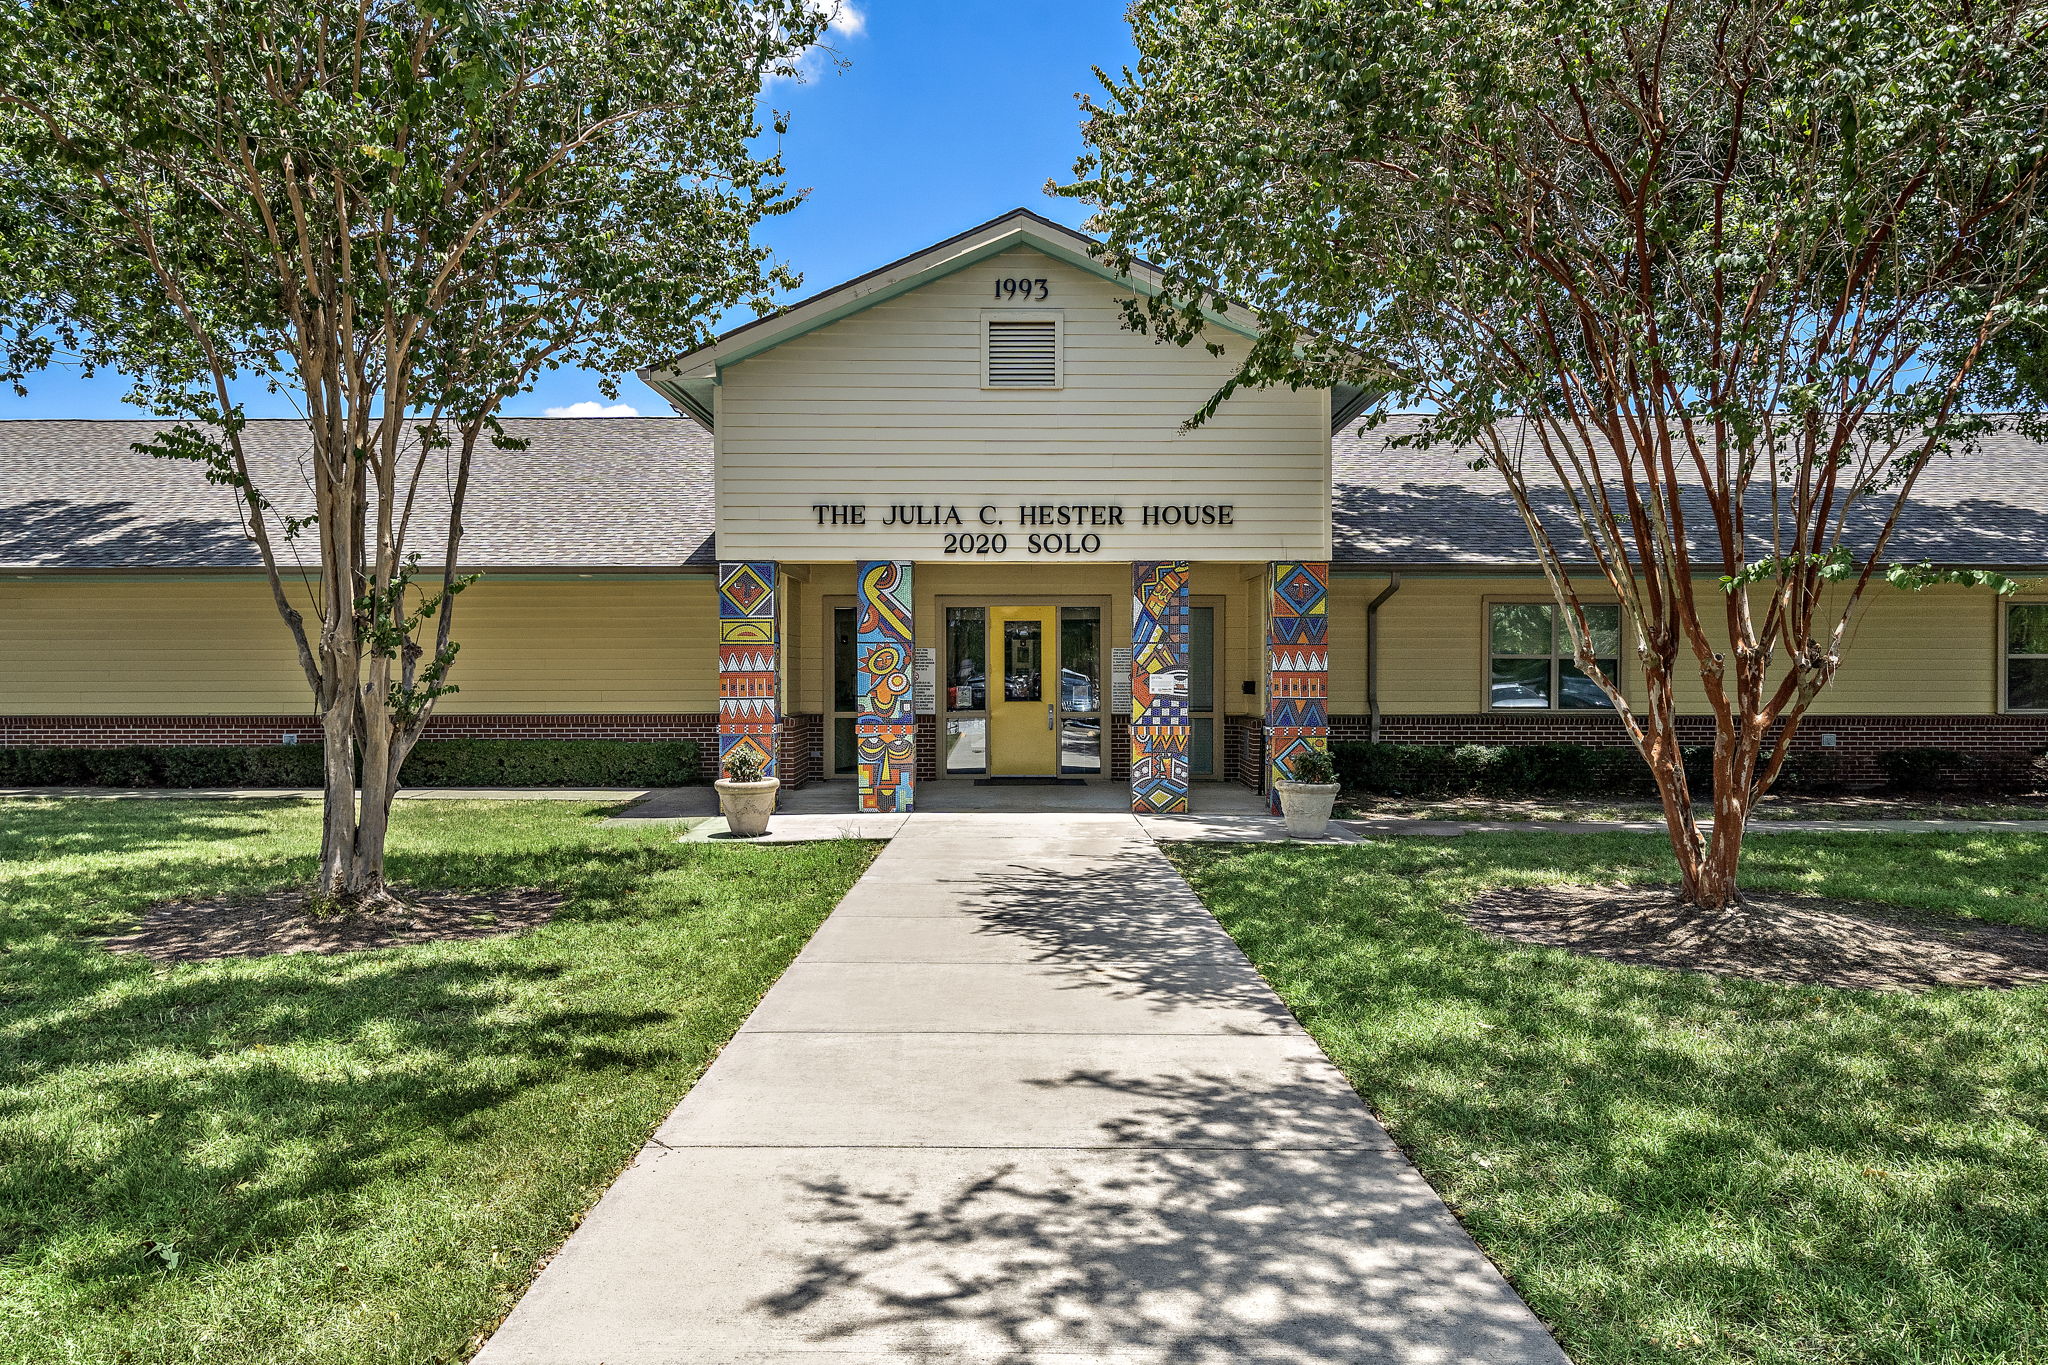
(1023, 354)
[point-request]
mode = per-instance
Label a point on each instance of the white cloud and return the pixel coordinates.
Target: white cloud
(842, 21)
(591, 408)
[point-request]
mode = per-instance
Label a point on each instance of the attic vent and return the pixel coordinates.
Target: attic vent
(1023, 352)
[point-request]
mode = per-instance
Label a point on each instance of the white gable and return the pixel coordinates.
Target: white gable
(883, 433)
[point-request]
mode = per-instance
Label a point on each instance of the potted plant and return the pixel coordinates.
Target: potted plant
(1307, 793)
(746, 796)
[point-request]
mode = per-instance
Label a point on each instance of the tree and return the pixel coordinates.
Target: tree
(397, 213)
(1708, 283)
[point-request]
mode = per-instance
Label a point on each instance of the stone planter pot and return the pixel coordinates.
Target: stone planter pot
(1306, 807)
(746, 806)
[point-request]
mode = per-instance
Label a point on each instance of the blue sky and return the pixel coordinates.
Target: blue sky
(947, 112)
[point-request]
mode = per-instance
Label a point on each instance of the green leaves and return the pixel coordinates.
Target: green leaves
(1914, 577)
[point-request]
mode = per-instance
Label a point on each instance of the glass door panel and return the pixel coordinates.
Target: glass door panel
(845, 690)
(966, 690)
(1201, 691)
(1080, 699)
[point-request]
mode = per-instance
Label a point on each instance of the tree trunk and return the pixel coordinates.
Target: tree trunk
(379, 786)
(338, 822)
(1709, 860)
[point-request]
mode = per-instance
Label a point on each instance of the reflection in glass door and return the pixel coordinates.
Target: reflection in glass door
(966, 698)
(1080, 699)
(845, 690)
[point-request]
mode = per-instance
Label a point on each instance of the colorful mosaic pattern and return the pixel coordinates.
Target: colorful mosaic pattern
(1159, 687)
(749, 704)
(1297, 666)
(885, 731)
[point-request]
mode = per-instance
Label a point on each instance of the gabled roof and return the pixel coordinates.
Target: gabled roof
(588, 493)
(1399, 507)
(687, 382)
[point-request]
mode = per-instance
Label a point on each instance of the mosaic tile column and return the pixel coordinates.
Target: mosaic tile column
(885, 731)
(749, 695)
(1159, 687)
(1297, 668)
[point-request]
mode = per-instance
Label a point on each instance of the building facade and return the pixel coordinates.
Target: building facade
(949, 521)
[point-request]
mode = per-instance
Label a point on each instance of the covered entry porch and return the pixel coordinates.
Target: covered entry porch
(1153, 685)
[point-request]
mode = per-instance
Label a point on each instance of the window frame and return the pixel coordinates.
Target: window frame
(1056, 317)
(1487, 656)
(2005, 655)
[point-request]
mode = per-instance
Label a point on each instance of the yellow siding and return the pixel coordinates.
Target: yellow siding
(886, 406)
(1928, 653)
(170, 648)
(218, 648)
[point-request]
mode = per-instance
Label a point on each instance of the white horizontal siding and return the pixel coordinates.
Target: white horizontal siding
(887, 406)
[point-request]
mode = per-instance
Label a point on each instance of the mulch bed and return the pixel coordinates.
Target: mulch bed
(1773, 936)
(201, 930)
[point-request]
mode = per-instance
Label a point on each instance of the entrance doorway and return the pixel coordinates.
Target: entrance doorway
(1058, 651)
(1024, 690)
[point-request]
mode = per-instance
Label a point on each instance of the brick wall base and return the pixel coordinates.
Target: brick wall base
(801, 758)
(1858, 739)
(1244, 751)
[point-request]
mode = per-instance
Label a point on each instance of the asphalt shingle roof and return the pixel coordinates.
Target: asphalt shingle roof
(1395, 505)
(588, 492)
(635, 493)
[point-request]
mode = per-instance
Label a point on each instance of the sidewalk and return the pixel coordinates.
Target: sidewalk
(1021, 1100)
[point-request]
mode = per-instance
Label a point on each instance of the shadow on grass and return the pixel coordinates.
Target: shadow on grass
(1676, 1167)
(260, 1092)
(272, 1117)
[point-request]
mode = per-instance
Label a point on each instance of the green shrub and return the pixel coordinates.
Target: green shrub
(1491, 769)
(1810, 770)
(1312, 765)
(1928, 769)
(552, 763)
(1545, 770)
(434, 763)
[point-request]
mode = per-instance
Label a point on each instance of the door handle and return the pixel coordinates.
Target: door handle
(1050, 724)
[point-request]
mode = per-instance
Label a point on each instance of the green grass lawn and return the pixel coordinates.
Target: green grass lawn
(1675, 1168)
(357, 1158)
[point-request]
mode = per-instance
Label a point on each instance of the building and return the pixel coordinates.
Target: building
(946, 520)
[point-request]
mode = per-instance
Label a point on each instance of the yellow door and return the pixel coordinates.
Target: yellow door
(1021, 732)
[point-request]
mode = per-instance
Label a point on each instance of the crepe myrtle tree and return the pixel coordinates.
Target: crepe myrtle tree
(1708, 283)
(396, 214)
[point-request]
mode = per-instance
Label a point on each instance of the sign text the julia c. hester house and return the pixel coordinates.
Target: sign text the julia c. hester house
(1037, 528)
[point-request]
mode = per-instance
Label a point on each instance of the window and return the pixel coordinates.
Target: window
(1021, 351)
(2026, 656)
(1529, 658)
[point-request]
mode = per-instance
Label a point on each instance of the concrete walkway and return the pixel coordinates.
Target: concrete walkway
(1021, 1099)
